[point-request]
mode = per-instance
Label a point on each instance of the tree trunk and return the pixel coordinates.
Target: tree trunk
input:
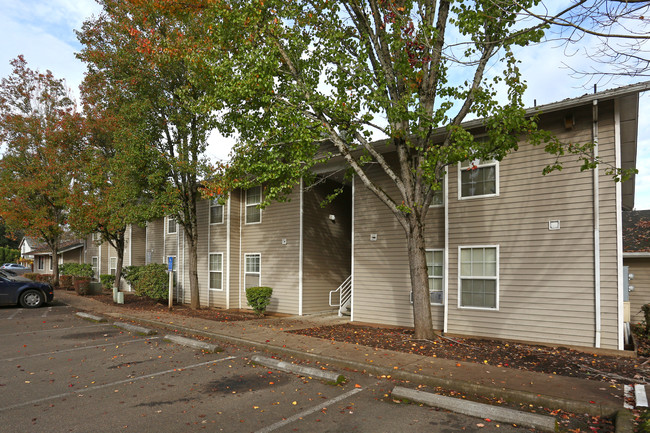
(195, 302)
(55, 264)
(419, 280)
(120, 260)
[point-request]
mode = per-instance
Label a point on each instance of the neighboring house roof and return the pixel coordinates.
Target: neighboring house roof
(63, 247)
(636, 233)
(32, 243)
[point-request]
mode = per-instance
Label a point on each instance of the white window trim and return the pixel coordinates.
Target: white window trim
(223, 210)
(110, 268)
(442, 278)
(497, 278)
(175, 225)
(246, 206)
(95, 268)
(496, 181)
(441, 205)
(221, 272)
(51, 263)
(253, 273)
(40, 263)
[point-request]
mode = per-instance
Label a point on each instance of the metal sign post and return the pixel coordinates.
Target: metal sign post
(170, 269)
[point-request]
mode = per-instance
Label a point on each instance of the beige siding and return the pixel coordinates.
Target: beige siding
(155, 240)
(233, 213)
(381, 269)
(279, 262)
(546, 278)
(640, 296)
(326, 245)
(138, 247)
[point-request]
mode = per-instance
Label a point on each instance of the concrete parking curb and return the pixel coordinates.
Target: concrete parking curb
(479, 410)
(298, 369)
(92, 317)
(207, 347)
(452, 384)
(624, 421)
(133, 328)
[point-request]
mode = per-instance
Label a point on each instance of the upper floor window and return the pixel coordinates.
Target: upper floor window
(216, 212)
(253, 199)
(171, 225)
(478, 178)
(96, 237)
(438, 196)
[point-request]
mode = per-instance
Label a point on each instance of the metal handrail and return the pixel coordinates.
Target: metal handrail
(345, 294)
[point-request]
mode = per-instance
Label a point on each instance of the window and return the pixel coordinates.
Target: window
(434, 269)
(216, 271)
(96, 237)
(112, 265)
(478, 178)
(253, 199)
(51, 261)
(171, 225)
(40, 265)
(438, 196)
(479, 277)
(95, 266)
(216, 212)
(252, 270)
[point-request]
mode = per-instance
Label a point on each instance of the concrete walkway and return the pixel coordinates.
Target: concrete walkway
(550, 391)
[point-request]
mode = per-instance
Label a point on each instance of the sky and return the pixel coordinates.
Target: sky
(43, 31)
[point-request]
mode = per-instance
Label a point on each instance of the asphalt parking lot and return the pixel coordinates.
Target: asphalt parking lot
(61, 373)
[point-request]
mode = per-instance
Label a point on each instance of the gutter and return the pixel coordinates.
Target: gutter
(300, 249)
(597, 307)
(445, 273)
(228, 257)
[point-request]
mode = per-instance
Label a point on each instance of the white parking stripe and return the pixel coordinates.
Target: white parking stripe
(55, 329)
(119, 382)
(314, 409)
(78, 348)
(15, 314)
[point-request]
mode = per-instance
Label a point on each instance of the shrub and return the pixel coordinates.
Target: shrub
(44, 278)
(76, 269)
(31, 275)
(107, 280)
(65, 281)
(150, 280)
(259, 298)
(82, 285)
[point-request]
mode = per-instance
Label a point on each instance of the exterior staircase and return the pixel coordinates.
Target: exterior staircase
(344, 295)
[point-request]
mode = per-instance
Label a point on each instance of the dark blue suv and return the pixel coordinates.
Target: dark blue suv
(20, 290)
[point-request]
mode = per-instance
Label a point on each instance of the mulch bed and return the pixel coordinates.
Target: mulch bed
(543, 359)
(142, 303)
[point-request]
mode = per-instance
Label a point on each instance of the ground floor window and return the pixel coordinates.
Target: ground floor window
(479, 277)
(40, 263)
(112, 265)
(216, 271)
(252, 270)
(435, 270)
(95, 266)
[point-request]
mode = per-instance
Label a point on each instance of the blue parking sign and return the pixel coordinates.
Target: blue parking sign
(170, 264)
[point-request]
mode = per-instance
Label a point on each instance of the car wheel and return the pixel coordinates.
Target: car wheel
(31, 299)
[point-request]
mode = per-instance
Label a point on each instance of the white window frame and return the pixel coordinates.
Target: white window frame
(442, 278)
(441, 191)
(169, 220)
(259, 273)
(214, 203)
(112, 270)
(96, 237)
(247, 205)
(94, 263)
(210, 272)
(484, 277)
(51, 262)
(40, 263)
(479, 165)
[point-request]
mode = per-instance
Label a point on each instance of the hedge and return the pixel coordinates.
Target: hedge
(259, 298)
(150, 280)
(76, 269)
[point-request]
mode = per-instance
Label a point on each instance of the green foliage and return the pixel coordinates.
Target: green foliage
(259, 298)
(76, 269)
(150, 280)
(107, 280)
(31, 275)
(9, 255)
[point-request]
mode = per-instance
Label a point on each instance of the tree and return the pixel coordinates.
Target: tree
(136, 47)
(293, 74)
(116, 172)
(42, 131)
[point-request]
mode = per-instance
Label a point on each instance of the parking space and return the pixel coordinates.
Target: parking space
(63, 373)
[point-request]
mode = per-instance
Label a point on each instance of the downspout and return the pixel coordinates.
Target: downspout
(445, 258)
(619, 227)
(228, 263)
(352, 259)
(209, 244)
(596, 228)
(146, 242)
(130, 244)
(178, 265)
(241, 253)
(300, 252)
